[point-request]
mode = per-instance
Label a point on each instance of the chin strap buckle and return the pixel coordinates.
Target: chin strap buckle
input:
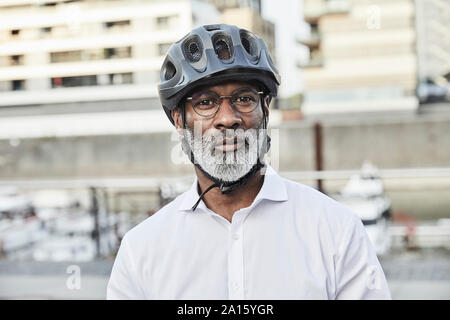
(226, 189)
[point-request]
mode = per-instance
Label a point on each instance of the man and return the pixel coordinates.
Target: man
(241, 231)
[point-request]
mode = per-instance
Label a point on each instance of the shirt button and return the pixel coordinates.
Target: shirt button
(235, 236)
(235, 285)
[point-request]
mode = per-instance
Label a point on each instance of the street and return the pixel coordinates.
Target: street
(420, 274)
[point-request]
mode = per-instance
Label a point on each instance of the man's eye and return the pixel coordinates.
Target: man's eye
(244, 99)
(206, 102)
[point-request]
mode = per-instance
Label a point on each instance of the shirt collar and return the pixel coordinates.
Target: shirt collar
(273, 189)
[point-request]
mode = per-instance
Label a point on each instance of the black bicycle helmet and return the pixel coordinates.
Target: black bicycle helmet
(211, 54)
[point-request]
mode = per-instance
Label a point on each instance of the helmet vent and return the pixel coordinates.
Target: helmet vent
(223, 46)
(192, 49)
(169, 70)
(212, 27)
(249, 43)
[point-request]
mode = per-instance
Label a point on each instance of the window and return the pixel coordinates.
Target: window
(16, 60)
(92, 80)
(165, 21)
(65, 56)
(113, 25)
(162, 22)
(115, 79)
(114, 53)
(14, 85)
(15, 32)
(4, 86)
(121, 78)
(49, 4)
(45, 31)
(18, 85)
(56, 82)
(90, 54)
(79, 81)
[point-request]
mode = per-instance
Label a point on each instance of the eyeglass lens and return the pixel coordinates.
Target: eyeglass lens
(207, 103)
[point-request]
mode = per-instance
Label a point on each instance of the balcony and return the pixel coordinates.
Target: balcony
(314, 9)
(312, 42)
(11, 61)
(313, 63)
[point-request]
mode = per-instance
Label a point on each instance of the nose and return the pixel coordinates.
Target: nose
(227, 117)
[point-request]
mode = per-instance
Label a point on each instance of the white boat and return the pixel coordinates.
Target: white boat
(71, 238)
(364, 195)
(20, 229)
(51, 225)
(14, 205)
(20, 234)
(63, 248)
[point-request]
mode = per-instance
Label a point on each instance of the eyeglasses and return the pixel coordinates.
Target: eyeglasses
(207, 103)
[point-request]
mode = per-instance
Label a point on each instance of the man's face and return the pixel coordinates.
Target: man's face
(225, 134)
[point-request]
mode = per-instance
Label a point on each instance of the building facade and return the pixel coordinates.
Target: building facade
(287, 17)
(369, 56)
(247, 14)
(90, 50)
(97, 56)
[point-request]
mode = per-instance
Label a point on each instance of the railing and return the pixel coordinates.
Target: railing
(314, 9)
(423, 235)
(438, 172)
(404, 233)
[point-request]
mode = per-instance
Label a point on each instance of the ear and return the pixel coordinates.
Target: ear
(176, 116)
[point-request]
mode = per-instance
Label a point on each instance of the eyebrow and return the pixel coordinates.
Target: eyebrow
(199, 94)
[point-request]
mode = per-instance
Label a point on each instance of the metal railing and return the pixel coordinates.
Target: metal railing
(127, 182)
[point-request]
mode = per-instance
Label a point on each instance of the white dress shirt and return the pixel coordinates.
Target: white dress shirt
(292, 242)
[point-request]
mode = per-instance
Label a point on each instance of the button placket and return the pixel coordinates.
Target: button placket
(236, 258)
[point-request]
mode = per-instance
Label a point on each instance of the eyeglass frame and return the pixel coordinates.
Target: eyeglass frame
(221, 98)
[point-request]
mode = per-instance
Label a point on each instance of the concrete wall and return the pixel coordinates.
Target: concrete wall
(388, 143)
(99, 156)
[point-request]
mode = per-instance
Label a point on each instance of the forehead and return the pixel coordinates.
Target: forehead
(227, 86)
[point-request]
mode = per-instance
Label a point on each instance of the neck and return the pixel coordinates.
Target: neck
(227, 204)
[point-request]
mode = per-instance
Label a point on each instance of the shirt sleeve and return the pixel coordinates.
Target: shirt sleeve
(359, 275)
(123, 283)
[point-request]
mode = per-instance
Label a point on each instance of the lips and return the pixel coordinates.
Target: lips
(228, 144)
(227, 141)
(227, 147)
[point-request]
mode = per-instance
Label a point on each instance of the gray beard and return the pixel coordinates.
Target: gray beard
(226, 166)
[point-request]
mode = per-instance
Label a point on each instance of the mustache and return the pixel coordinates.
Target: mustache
(209, 139)
(228, 137)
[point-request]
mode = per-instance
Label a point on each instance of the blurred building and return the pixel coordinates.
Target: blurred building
(371, 55)
(98, 54)
(287, 17)
(255, 5)
(433, 48)
(246, 14)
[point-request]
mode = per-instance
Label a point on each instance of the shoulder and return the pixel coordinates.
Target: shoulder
(320, 211)
(317, 202)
